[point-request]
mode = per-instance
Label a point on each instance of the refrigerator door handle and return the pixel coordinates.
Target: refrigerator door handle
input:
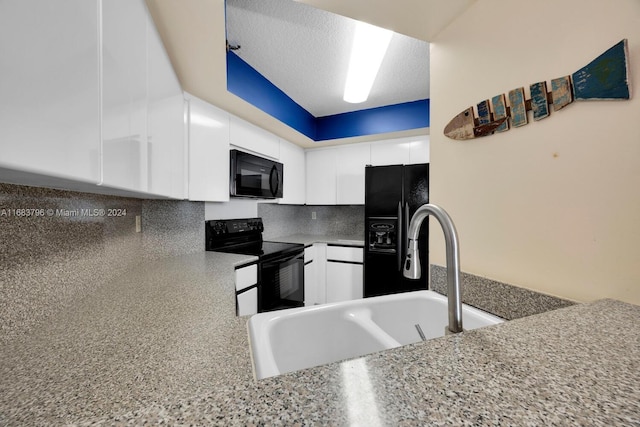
(399, 238)
(405, 232)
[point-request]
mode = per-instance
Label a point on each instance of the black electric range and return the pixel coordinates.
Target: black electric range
(280, 265)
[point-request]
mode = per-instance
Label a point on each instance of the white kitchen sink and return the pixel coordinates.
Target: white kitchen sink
(289, 340)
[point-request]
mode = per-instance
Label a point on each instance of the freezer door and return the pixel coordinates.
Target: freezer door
(416, 186)
(416, 194)
(383, 190)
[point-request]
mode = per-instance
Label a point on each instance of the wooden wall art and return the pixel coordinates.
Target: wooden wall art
(604, 78)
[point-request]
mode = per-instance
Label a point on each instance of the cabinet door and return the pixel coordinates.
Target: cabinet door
(320, 261)
(420, 150)
(310, 284)
(344, 281)
(321, 177)
(390, 152)
(208, 151)
(166, 124)
(400, 151)
(350, 163)
(246, 277)
(292, 157)
(124, 99)
(245, 135)
(50, 88)
(247, 302)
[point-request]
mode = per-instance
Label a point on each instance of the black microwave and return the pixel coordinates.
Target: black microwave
(254, 176)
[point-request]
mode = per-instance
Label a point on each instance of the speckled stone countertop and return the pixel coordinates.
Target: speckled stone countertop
(161, 344)
(309, 239)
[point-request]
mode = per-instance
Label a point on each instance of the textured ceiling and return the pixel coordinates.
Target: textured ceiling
(305, 52)
(193, 32)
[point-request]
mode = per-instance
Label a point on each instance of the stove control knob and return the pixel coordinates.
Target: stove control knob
(218, 228)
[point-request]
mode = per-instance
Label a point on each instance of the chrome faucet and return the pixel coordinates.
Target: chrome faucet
(412, 261)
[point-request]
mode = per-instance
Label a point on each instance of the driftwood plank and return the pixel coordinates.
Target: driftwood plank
(518, 108)
(484, 113)
(561, 92)
(539, 104)
(500, 111)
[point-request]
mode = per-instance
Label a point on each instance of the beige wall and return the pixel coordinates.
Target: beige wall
(553, 206)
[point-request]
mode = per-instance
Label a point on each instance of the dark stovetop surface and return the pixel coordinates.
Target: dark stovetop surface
(263, 250)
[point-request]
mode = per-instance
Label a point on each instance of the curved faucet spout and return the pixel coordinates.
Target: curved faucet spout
(412, 269)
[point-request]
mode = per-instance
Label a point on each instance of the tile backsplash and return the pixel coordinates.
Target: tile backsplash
(58, 246)
(286, 220)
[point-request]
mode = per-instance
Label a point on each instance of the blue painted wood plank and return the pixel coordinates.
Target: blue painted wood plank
(561, 92)
(606, 77)
(499, 111)
(484, 113)
(518, 109)
(539, 104)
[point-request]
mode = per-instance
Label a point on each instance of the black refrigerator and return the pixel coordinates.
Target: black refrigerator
(392, 195)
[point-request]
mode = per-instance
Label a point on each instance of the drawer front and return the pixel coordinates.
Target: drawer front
(246, 276)
(344, 253)
(247, 302)
(309, 253)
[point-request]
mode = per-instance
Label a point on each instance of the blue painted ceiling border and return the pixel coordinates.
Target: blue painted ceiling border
(247, 83)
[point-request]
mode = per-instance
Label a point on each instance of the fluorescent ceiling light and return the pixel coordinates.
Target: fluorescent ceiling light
(370, 44)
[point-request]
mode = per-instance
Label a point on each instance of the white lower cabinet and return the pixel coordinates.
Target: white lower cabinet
(315, 259)
(332, 273)
(247, 302)
(344, 281)
(344, 277)
(311, 293)
(246, 290)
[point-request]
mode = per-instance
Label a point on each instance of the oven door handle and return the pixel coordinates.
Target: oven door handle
(285, 258)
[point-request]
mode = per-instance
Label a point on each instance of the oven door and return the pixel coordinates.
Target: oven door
(281, 283)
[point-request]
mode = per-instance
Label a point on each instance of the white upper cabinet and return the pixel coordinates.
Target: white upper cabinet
(124, 95)
(351, 160)
(208, 151)
(400, 151)
(50, 88)
(336, 175)
(252, 138)
(87, 94)
(419, 150)
(143, 145)
(321, 177)
(293, 159)
(166, 148)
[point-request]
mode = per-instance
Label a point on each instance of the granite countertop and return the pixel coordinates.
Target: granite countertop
(162, 344)
(310, 239)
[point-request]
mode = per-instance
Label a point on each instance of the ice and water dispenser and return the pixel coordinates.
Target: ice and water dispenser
(383, 235)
